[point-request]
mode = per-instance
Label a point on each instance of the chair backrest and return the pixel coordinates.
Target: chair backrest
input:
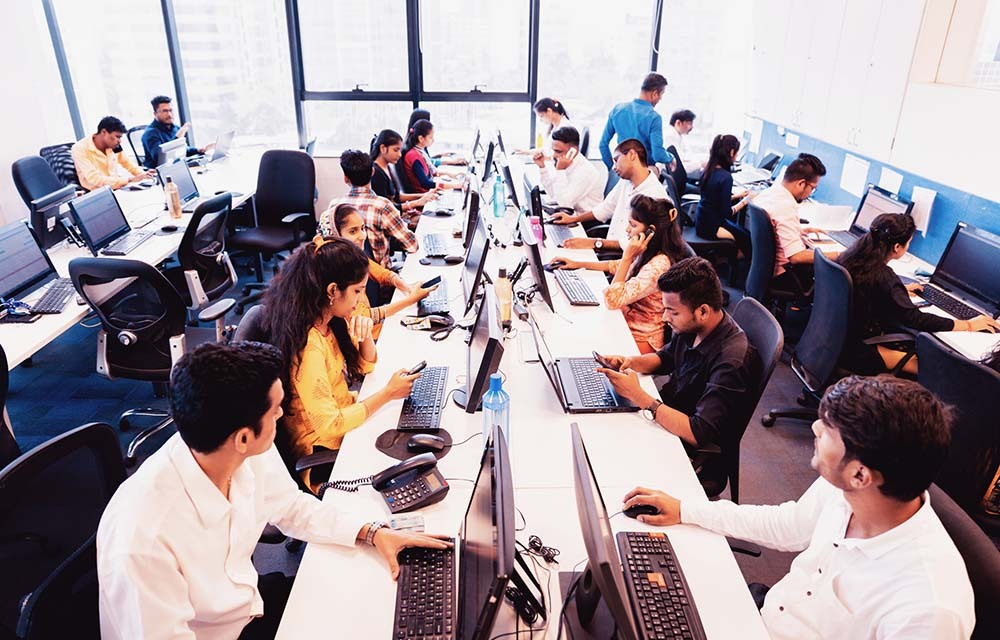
(140, 311)
(584, 141)
(60, 158)
(8, 445)
(671, 187)
(134, 136)
(286, 184)
(65, 604)
(982, 561)
(34, 178)
(203, 246)
(679, 173)
(310, 147)
(818, 350)
(51, 501)
(394, 174)
(973, 391)
(251, 326)
(764, 253)
(612, 181)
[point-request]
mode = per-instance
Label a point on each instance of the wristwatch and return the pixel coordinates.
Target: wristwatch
(598, 244)
(649, 413)
(373, 528)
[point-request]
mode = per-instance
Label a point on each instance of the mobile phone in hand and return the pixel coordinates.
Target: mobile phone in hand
(601, 360)
(430, 283)
(418, 368)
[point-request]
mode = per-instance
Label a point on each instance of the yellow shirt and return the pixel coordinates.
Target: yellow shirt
(384, 277)
(97, 168)
(322, 408)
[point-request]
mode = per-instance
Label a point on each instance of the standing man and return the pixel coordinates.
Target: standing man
(98, 157)
(162, 129)
(573, 182)
(638, 119)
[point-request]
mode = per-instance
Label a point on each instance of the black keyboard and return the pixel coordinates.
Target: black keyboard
(425, 595)
(660, 596)
(436, 303)
(575, 289)
(559, 233)
(592, 386)
(422, 408)
(125, 244)
(55, 299)
(942, 300)
(435, 245)
(845, 238)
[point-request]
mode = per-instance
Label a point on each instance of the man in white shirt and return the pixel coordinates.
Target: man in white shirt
(174, 544)
(630, 165)
(875, 560)
(574, 182)
(681, 124)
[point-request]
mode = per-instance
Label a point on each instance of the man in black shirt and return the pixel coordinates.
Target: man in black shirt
(713, 369)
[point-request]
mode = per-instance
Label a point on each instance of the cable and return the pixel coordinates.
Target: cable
(455, 444)
(350, 486)
(615, 514)
(461, 479)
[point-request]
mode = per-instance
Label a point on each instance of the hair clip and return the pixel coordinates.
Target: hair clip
(319, 241)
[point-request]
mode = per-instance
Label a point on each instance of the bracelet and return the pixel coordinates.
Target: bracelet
(373, 528)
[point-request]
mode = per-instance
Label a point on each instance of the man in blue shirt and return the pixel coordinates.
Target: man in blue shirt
(162, 129)
(638, 119)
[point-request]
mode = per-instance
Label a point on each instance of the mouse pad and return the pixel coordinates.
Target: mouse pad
(393, 443)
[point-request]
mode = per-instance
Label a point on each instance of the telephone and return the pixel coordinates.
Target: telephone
(411, 484)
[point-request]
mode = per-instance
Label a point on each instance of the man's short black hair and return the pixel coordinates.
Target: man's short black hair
(357, 166)
(217, 389)
(684, 115)
(806, 167)
(633, 145)
(158, 100)
(567, 134)
(111, 124)
(654, 82)
(894, 426)
(695, 281)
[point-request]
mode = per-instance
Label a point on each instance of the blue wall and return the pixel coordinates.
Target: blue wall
(950, 205)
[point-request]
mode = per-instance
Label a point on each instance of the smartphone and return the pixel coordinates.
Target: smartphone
(430, 283)
(603, 362)
(418, 368)
(572, 153)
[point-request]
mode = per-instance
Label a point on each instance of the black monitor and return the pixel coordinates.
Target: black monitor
(471, 210)
(486, 559)
(475, 263)
(181, 176)
(26, 266)
(99, 218)
(770, 160)
(603, 566)
(535, 261)
(46, 215)
(970, 264)
(875, 202)
(500, 142)
(488, 163)
(475, 146)
(509, 179)
(484, 353)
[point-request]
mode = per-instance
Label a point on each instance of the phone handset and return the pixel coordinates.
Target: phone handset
(411, 484)
(572, 153)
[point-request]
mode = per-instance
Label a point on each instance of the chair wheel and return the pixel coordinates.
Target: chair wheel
(767, 420)
(130, 461)
(123, 425)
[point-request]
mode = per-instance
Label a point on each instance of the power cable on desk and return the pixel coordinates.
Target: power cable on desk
(455, 444)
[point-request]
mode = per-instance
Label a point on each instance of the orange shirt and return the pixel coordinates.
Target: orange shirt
(97, 168)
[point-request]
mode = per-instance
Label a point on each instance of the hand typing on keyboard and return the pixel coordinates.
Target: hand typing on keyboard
(668, 506)
(389, 543)
(979, 323)
(626, 384)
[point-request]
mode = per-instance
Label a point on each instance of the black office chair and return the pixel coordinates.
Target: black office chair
(8, 445)
(982, 561)
(584, 141)
(284, 212)
(679, 174)
(60, 158)
(51, 501)
(715, 251)
(763, 255)
(65, 604)
(43, 193)
(143, 329)
(134, 136)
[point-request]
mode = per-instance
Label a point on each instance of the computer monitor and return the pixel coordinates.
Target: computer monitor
(222, 145)
(603, 566)
(488, 162)
(770, 160)
(181, 176)
(26, 266)
(509, 179)
(46, 213)
(484, 353)
(486, 552)
(471, 211)
(171, 152)
(503, 148)
(99, 218)
(875, 202)
(535, 261)
(474, 150)
(970, 264)
(475, 263)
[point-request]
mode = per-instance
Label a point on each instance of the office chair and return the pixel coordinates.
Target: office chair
(763, 255)
(982, 561)
(134, 136)
(8, 445)
(973, 390)
(584, 141)
(679, 174)
(51, 501)
(719, 249)
(43, 193)
(65, 604)
(60, 158)
(613, 179)
(310, 147)
(284, 212)
(143, 328)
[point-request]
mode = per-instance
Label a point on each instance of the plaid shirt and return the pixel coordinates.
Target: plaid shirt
(380, 216)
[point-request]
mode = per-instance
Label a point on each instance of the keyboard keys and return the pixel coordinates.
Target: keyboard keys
(559, 233)
(125, 244)
(436, 303)
(425, 595)
(944, 301)
(592, 385)
(55, 298)
(435, 245)
(422, 408)
(575, 289)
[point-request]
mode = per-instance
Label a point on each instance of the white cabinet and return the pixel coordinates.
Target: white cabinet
(824, 41)
(857, 38)
(793, 69)
(771, 19)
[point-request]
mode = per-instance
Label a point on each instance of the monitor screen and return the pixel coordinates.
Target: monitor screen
(971, 263)
(171, 152)
(875, 203)
(485, 350)
(474, 151)
(602, 556)
(770, 161)
(488, 163)
(545, 357)
(503, 148)
(99, 217)
(475, 262)
(181, 176)
(222, 145)
(535, 261)
(509, 179)
(24, 263)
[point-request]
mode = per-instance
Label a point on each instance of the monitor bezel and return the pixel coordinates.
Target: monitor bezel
(37, 281)
(96, 246)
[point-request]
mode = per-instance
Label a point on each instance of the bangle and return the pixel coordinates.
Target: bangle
(373, 528)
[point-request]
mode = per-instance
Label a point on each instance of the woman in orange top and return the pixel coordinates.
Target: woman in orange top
(312, 318)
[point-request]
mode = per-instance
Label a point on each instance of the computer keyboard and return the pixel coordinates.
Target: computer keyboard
(125, 244)
(942, 300)
(575, 289)
(559, 233)
(593, 386)
(422, 408)
(435, 245)
(55, 299)
(660, 596)
(436, 303)
(845, 238)
(425, 595)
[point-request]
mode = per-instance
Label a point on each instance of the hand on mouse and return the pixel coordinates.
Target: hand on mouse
(561, 217)
(559, 262)
(400, 385)
(979, 323)
(669, 507)
(914, 287)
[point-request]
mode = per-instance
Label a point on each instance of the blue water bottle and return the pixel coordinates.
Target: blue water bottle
(496, 408)
(499, 199)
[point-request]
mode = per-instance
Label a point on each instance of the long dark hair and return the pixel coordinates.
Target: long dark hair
(419, 128)
(721, 155)
(667, 238)
(297, 298)
(418, 114)
(869, 253)
(386, 137)
(544, 104)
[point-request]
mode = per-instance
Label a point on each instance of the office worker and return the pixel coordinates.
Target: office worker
(570, 179)
(416, 169)
(714, 216)
(438, 159)
(638, 119)
(386, 150)
(553, 116)
(681, 124)
(711, 363)
(99, 157)
(793, 259)
(655, 242)
(313, 316)
(636, 177)
(175, 542)
(881, 301)
(875, 560)
(163, 129)
(382, 219)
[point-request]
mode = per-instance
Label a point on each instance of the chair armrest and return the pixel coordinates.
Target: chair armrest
(599, 230)
(889, 338)
(215, 311)
(295, 218)
(690, 197)
(271, 535)
(742, 546)
(326, 456)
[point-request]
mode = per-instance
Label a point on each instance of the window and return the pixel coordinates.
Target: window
(455, 123)
(339, 125)
(986, 63)
(971, 55)
(347, 43)
(235, 58)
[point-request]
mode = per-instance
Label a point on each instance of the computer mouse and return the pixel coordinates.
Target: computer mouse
(425, 260)
(441, 212)
(454, 259)
(168, 228)
(639, 510)
(552, 266)
(424, 442)
(439, 321)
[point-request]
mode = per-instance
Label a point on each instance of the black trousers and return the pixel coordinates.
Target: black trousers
(274, 589)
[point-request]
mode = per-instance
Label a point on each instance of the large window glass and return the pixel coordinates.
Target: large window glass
(455, 123)
(352, 125)
(347, 43)
(235, 56)
(986, 60)
(465, 44)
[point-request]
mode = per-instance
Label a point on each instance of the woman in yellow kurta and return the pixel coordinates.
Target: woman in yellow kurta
(313, 317)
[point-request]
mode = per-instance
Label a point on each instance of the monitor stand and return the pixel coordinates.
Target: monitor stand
(461, 398)
(586, 607)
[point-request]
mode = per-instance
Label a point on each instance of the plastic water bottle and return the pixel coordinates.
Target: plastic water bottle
(496, 408)
(499, 199)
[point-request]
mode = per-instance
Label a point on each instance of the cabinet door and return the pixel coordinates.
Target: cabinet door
(771, 19)
(857, 38)
(824, 43)
(794, 66)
